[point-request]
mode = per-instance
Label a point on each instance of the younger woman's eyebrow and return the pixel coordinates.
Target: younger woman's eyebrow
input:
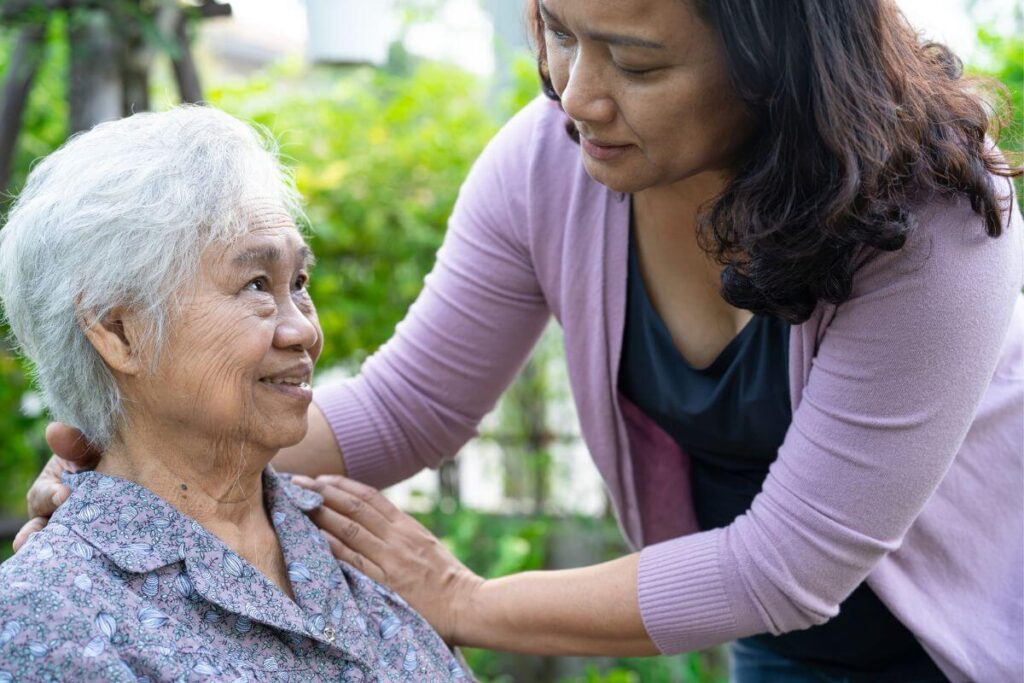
(610, 38)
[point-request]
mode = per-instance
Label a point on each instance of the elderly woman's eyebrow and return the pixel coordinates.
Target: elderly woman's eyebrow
(268, 255)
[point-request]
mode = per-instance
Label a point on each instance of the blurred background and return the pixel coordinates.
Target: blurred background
(380, 107)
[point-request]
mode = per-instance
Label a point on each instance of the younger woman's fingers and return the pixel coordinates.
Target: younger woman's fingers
(69, 444)
(349, 532)
(346, 554)
(33, 525)
(305, 482)
(46, 494)
(363, 492)
(356, 509)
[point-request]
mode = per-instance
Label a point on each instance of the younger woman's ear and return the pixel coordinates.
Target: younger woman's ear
(112, 337)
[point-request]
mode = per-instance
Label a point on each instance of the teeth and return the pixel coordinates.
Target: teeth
(289, 382)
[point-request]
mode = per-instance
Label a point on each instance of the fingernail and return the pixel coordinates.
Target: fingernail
(57, 498)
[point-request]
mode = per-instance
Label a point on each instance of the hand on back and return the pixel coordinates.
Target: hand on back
(71, 453)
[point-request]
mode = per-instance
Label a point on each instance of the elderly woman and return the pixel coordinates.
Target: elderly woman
(153, 273)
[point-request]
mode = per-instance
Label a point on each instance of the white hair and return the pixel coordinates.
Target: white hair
(119, 217)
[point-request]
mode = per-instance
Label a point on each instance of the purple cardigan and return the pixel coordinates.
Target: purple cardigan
(904, 463)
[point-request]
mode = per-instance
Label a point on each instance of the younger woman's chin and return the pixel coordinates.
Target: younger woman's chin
(616, 180)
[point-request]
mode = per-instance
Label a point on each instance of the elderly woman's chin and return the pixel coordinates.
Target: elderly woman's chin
(273, 423)
(283, 421)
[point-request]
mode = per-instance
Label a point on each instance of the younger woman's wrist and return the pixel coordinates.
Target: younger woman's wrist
(469, 608)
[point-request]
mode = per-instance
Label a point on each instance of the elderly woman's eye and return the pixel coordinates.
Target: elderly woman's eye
(301, 281)
(259, 284)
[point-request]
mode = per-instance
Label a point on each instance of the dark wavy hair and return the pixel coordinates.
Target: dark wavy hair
(854, 119)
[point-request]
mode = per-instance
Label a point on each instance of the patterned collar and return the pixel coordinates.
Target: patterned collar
(149, 533)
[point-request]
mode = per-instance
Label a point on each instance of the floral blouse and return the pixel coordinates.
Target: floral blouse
(121, 586)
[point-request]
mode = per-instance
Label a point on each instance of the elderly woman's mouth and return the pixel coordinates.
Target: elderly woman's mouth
(294, 383)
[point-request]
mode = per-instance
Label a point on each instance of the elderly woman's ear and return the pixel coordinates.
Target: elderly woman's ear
(116, 338)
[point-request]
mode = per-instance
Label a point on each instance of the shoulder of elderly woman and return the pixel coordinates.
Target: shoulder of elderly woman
(53, 624)
(121, 579)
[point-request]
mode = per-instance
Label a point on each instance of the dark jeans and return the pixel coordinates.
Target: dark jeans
(751, 664)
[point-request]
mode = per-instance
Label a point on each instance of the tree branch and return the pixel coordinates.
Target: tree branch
(212, 8)
(95, 73)
(28, 54)
(19, 10)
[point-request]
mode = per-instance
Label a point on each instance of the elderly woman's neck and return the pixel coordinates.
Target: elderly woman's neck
(218, 484)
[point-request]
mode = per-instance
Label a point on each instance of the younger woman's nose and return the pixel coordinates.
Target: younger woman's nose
(585, 97)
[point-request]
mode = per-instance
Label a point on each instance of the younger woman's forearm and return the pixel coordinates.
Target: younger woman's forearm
(587, 611)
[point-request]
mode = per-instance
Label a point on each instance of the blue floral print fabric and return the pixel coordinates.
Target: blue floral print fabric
(121, 586)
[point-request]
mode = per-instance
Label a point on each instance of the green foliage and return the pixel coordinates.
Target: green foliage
(44, 127)
(379, 158)
(693, 668)
(1002, 59)
(45, 122)
(21, 436)
(525, 83)
(491, 545)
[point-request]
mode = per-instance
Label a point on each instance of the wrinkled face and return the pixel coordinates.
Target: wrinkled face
(238, 362)
(646, 83)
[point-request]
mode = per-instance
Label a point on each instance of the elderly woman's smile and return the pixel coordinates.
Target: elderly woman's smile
(154, 273)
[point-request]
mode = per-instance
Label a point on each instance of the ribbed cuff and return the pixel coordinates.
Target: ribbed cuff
(368, 445)
(684, 601)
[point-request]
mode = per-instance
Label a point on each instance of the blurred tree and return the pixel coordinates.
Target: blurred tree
(28, 55)
(379, 158)
(111, 48)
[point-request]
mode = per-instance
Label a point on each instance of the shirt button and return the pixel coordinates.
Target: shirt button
(329, 635)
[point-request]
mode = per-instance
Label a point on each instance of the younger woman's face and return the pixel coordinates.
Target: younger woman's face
(646, 83)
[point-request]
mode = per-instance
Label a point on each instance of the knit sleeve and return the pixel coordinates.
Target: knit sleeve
(893, 388)
(421, 396)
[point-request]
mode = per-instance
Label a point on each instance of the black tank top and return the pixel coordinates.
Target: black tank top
(731, 418)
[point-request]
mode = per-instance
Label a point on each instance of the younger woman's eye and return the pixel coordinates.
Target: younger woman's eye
(560, 36)
(634, 72)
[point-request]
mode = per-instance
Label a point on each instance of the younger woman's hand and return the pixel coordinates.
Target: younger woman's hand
(367, 531)
(72, 453)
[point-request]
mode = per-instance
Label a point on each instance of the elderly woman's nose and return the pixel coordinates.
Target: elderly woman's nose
(295, 328)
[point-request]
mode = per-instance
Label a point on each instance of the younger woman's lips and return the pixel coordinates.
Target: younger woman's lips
(603, 152)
